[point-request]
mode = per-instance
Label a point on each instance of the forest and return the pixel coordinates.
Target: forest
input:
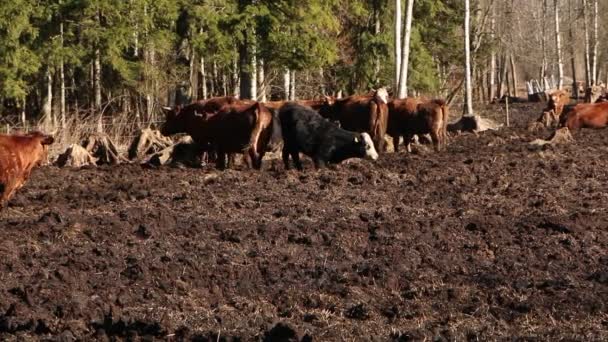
(63, 60)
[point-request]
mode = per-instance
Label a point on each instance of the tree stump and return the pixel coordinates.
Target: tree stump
(146, 143)
(475, 123)
(102, 148)
(75, 156)
(560, 136)
(184, 152)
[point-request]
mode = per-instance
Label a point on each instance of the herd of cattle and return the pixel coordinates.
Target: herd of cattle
(328, 130)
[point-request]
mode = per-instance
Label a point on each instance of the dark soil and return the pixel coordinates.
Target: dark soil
(489, 239)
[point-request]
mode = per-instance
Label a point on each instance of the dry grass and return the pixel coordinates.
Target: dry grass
(121, 128)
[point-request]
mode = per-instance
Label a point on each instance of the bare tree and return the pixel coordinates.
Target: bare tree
(594, 71)
(587, 61)
(558, 46)
(398, 28)
(61, 80)
(543, 69)
(572, 50)
(402, 93)
(492, 72)
(467, 54)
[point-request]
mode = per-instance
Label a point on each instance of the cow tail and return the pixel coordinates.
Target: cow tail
(256, 133)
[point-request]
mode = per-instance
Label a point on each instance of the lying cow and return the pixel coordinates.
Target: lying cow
(367, 113)
(304, 130)
(414, 116)
(240, 127)
(19, 154)
(585, 115)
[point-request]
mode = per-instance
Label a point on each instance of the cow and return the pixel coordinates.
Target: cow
(304, 130)
(585, 115)
(366, 113)
(418, 116)
(19, 154)
(238, 127)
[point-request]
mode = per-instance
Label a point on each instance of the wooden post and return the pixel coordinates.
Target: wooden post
(507, 107)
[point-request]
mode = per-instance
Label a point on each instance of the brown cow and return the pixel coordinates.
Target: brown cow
(558, 99)
(367, 113)
(585, 115)
(19, 154)
(416, 116)
(244, 127)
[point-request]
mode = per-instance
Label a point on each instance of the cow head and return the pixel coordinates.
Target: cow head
(381, 95)
(40, 143)
(174, 123)
(366, 146)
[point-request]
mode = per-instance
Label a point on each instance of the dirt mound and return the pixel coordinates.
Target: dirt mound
(485, 241)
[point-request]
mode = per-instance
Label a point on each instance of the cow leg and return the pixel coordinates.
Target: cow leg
(296, 160)
(396, 142)
(436, 137)
(319, 163)
(286, 157)
(407, 141)
(220, 162)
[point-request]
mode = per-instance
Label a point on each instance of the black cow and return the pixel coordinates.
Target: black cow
(306, 131)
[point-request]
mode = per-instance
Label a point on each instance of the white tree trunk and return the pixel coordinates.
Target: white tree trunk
(558, 47)
(594, 75)
(398, 28)
(377, 33)
(97, 79)
(235, 78)
(254, 75)
(322, 82)
(406, 50)
(203, 78)
(262, 81)
(467, 58)
(287, 83)
(492, 73)
(192, 91)
(543, 68)
(48, 106)
(62, 81)
(292, 92)
(587, 49)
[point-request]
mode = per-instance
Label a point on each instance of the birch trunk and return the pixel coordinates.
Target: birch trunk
(287, 83)
(377, 33)
(492, 74)
(406, 50)
(513, 74)
(193, 91)
(398, 28)
(48, 106)
(572, 51)
(292, 92)
(62, 81)
(467, 55)
(322, 82)
(558, 47)
(543, 16)
(594, 75)
(97, 79)
(587, 60)
(203, 78)
(262, 81)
